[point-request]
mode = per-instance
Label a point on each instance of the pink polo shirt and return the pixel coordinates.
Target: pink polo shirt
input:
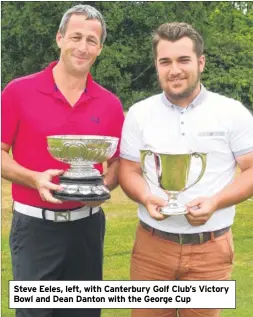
(33, 108)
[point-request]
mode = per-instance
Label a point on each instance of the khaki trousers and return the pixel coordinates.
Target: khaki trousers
(154, 258)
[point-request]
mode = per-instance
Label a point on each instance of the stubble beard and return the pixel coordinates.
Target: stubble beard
(184, 94)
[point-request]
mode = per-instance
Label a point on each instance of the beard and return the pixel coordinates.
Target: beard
(185, 93)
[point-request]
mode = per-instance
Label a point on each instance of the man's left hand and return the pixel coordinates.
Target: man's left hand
(200, 210)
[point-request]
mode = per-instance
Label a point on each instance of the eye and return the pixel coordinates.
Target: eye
(164, 63)
(75, 38)
(92, 41)
(185, 61)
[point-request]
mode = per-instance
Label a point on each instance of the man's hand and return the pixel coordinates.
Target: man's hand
(153, 205)
(200, 210)
(44, 185)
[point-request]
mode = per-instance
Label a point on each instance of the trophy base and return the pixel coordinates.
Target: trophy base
(82, 189)
(180, 210)
(69, 197)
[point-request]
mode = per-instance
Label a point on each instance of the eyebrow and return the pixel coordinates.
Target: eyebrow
(165, 59)
(80, 34)
(93, 37)
(185, 57)
(76, 33)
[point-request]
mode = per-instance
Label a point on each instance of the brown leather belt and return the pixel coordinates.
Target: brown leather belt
(194, 238)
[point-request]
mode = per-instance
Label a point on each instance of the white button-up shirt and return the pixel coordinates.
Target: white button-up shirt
(212, 124)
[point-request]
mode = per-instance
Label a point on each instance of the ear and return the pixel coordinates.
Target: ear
(155, 63)
(202, 63)
(59, 38)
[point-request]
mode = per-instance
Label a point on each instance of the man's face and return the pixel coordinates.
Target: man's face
(178, 68)
(80, 45)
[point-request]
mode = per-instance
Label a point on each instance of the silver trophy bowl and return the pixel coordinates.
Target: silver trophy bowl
(82, 181)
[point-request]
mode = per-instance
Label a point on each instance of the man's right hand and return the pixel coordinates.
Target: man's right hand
(44, 185)
(153, 205)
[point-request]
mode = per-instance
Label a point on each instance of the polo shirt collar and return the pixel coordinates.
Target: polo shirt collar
(48, 86)
(197, 101)
(46, 82)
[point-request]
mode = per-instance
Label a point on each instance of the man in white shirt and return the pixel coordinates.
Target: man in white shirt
(186, 117)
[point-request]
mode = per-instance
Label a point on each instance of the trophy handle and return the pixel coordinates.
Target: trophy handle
(157, 164)
(203, 168)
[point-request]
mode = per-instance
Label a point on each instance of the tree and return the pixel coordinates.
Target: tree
(126, 64)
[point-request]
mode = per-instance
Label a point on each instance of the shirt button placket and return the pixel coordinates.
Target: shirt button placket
(182, 124)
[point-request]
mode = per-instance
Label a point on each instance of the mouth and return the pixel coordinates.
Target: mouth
(176, 80)
(81, 58)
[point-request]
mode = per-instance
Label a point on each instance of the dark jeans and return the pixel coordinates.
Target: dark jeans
(44, 250)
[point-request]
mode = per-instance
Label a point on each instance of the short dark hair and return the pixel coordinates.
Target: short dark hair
(175, 31)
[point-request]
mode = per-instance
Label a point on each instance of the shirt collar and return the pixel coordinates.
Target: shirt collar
(47, 84)
(198, 100)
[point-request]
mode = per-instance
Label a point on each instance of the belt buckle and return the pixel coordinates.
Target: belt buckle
(180, 238)
(201, 237)
(62, 214)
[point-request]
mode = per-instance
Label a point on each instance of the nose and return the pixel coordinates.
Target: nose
(82, 46)
(175, 69)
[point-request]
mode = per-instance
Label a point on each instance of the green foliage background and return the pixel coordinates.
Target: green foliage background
(126, 65)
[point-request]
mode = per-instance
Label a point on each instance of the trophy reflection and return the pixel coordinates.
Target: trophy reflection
(82, 182)
(172, 172)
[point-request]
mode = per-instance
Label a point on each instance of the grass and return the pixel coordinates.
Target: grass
(121, 223)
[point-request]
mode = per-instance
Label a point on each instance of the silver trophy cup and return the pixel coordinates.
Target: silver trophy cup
(82, 181)
(172, 171)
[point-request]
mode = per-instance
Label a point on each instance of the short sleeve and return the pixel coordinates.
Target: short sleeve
(241, 134)
(131, 141)
(9, 113)
(118, 120)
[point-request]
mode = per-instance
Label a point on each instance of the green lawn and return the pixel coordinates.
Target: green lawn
(120, 230)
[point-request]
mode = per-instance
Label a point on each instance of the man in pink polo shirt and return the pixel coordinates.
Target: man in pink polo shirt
(61, 99)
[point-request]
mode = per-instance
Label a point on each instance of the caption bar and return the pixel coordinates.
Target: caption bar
(122, 294)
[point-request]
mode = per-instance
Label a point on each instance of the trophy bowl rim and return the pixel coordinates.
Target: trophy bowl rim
(167, 153)
(75, 137)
